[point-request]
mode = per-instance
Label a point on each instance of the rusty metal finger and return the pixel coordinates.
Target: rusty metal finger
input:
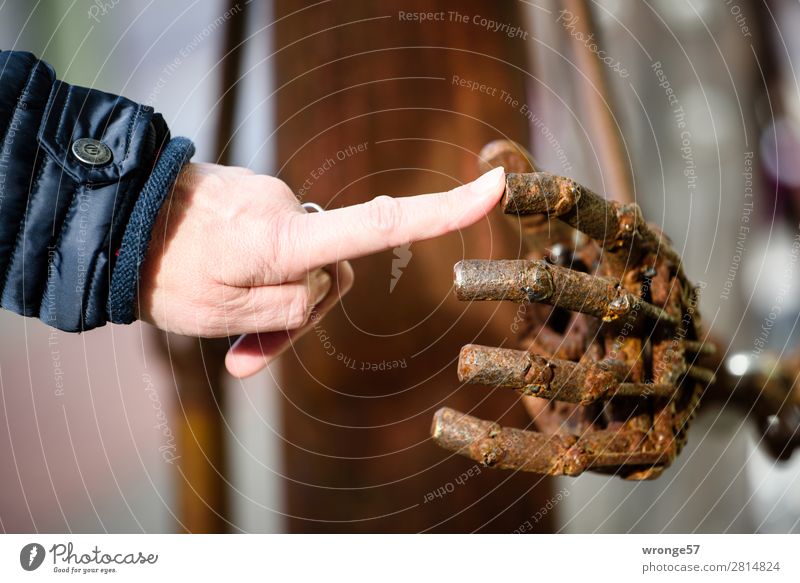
(536, 230)
(608, 222)
(538, 281)
(530, 451)
(613, 225)
(612, 367)
(552, 378)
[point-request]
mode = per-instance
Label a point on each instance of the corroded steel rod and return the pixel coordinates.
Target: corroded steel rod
(556, 454)
(607, 222)
(613, 225)
(552, 378)
(538, 281)
(537, 232)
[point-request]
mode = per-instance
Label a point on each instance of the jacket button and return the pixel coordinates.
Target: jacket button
(91, 152)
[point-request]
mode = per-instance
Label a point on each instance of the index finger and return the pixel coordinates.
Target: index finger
(383, 223)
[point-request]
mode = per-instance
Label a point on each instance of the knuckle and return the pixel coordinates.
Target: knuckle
(272, 243)
(384, 214)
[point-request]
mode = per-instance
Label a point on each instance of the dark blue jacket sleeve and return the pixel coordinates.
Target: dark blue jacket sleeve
(83, 175)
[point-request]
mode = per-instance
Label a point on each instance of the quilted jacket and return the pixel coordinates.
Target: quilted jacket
(83, 175)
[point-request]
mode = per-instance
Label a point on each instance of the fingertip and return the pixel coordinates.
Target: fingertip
(239, 367)
(476, 199)
(491, 184)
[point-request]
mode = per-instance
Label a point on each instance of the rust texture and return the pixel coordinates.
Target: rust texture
(613, 361)
(593, 267)
(613, 225)
(537, 232)
(576, 205)
(551, 378)
(608, 365)
(538, 281)
(555, 454)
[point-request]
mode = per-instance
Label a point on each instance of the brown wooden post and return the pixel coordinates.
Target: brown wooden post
(372, 102)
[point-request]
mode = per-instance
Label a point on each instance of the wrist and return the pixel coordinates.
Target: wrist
(125, 279)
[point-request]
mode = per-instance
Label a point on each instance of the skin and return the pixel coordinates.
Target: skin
(234, 253)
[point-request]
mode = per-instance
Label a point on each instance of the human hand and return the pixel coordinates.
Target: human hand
(233, 252)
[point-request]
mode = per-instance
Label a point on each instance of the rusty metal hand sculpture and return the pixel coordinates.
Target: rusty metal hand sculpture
(612, 346)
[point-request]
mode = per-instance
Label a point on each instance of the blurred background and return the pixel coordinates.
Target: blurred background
(126, 429)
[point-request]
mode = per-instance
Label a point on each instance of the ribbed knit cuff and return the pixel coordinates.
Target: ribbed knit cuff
(138, 232)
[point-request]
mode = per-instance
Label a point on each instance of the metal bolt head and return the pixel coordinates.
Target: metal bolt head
(91, 152)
